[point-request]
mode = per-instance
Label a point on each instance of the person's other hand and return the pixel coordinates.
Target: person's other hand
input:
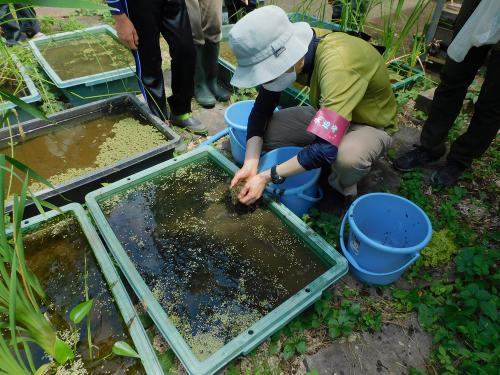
(245, 173)
(126, 32)
(254, 188)
(245, 2)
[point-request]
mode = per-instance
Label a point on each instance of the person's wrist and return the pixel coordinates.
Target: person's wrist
(251, 166)
(265, 176)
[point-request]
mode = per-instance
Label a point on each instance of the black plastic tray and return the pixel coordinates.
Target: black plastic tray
(76, 189)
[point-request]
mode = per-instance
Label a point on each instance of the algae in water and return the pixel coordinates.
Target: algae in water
(56, 253)
(92, 149)
(214, 269)
(85, 55)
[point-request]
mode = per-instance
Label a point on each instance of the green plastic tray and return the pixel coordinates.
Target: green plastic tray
(293, 96)
(121, 298)
(32, 97)
(87, 88)
(263, 328)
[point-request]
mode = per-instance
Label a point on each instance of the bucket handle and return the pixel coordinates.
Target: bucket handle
(342, 228)
(312, 199)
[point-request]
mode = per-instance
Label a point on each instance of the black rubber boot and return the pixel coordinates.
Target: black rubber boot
(211, 69)
(202, 93)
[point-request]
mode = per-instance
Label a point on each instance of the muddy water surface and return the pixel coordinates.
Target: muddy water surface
(75, 149)
(86, 55)
(214, 267)
(56, 253)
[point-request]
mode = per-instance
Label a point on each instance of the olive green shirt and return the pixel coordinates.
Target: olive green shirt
(350, 78)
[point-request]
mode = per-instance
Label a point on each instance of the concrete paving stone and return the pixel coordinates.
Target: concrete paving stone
(393, 350)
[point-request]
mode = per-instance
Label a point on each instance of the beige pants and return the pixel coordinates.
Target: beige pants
(359, 149)
(205, 17)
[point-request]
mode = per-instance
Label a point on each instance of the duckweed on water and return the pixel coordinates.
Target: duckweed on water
(86, 55)
(71, 152)
(56, 253)
(215, 269)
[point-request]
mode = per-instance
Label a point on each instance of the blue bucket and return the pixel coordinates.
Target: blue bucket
(373, 277)
(386, 231)
(236, 118)
(298, 193)
(237, 149)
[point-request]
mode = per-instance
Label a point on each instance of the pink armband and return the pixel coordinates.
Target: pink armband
(329, 126)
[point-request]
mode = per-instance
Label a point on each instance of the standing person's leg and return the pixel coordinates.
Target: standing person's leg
(211, 16)
(27, 20)
(482, 129)
(447, 102)
(146, 20)
(485, 122)
(10, 27)
(175, 28)
(202, 93)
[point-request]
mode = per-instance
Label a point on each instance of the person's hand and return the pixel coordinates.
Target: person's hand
(245, 173)
(254, 188)
(126, 32)
(245, 2)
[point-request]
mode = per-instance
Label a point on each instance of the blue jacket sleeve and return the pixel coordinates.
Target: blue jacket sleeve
(118, 5)
(317, 154)
(263, 109)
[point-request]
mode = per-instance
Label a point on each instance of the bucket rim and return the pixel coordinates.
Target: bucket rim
(231, 124)
(294, 190)
(390, 249)
(355, 264)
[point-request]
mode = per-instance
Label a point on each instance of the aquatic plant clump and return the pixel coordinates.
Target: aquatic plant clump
(59, 254)
(11, 80)
(85, 55)
(214, 268)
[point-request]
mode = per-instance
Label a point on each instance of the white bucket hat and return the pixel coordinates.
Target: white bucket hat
(266, 44)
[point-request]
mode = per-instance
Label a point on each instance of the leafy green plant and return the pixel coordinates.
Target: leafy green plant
(394, 37)
(325, 224)
(355, 14)
(462, 314)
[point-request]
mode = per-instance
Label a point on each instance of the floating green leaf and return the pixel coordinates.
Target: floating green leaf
(63, 352)
(125, 350)
(80, 311)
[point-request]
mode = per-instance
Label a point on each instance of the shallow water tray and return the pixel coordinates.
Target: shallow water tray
(217, 279)
(32, 97)
(293, 96)
(91, 87)
(131, 320)
(75, 189)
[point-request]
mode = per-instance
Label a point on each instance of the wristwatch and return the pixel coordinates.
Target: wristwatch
(275, 177)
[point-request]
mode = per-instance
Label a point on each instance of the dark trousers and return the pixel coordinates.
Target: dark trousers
(449, 97)
(169, 19)
(24, 22)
